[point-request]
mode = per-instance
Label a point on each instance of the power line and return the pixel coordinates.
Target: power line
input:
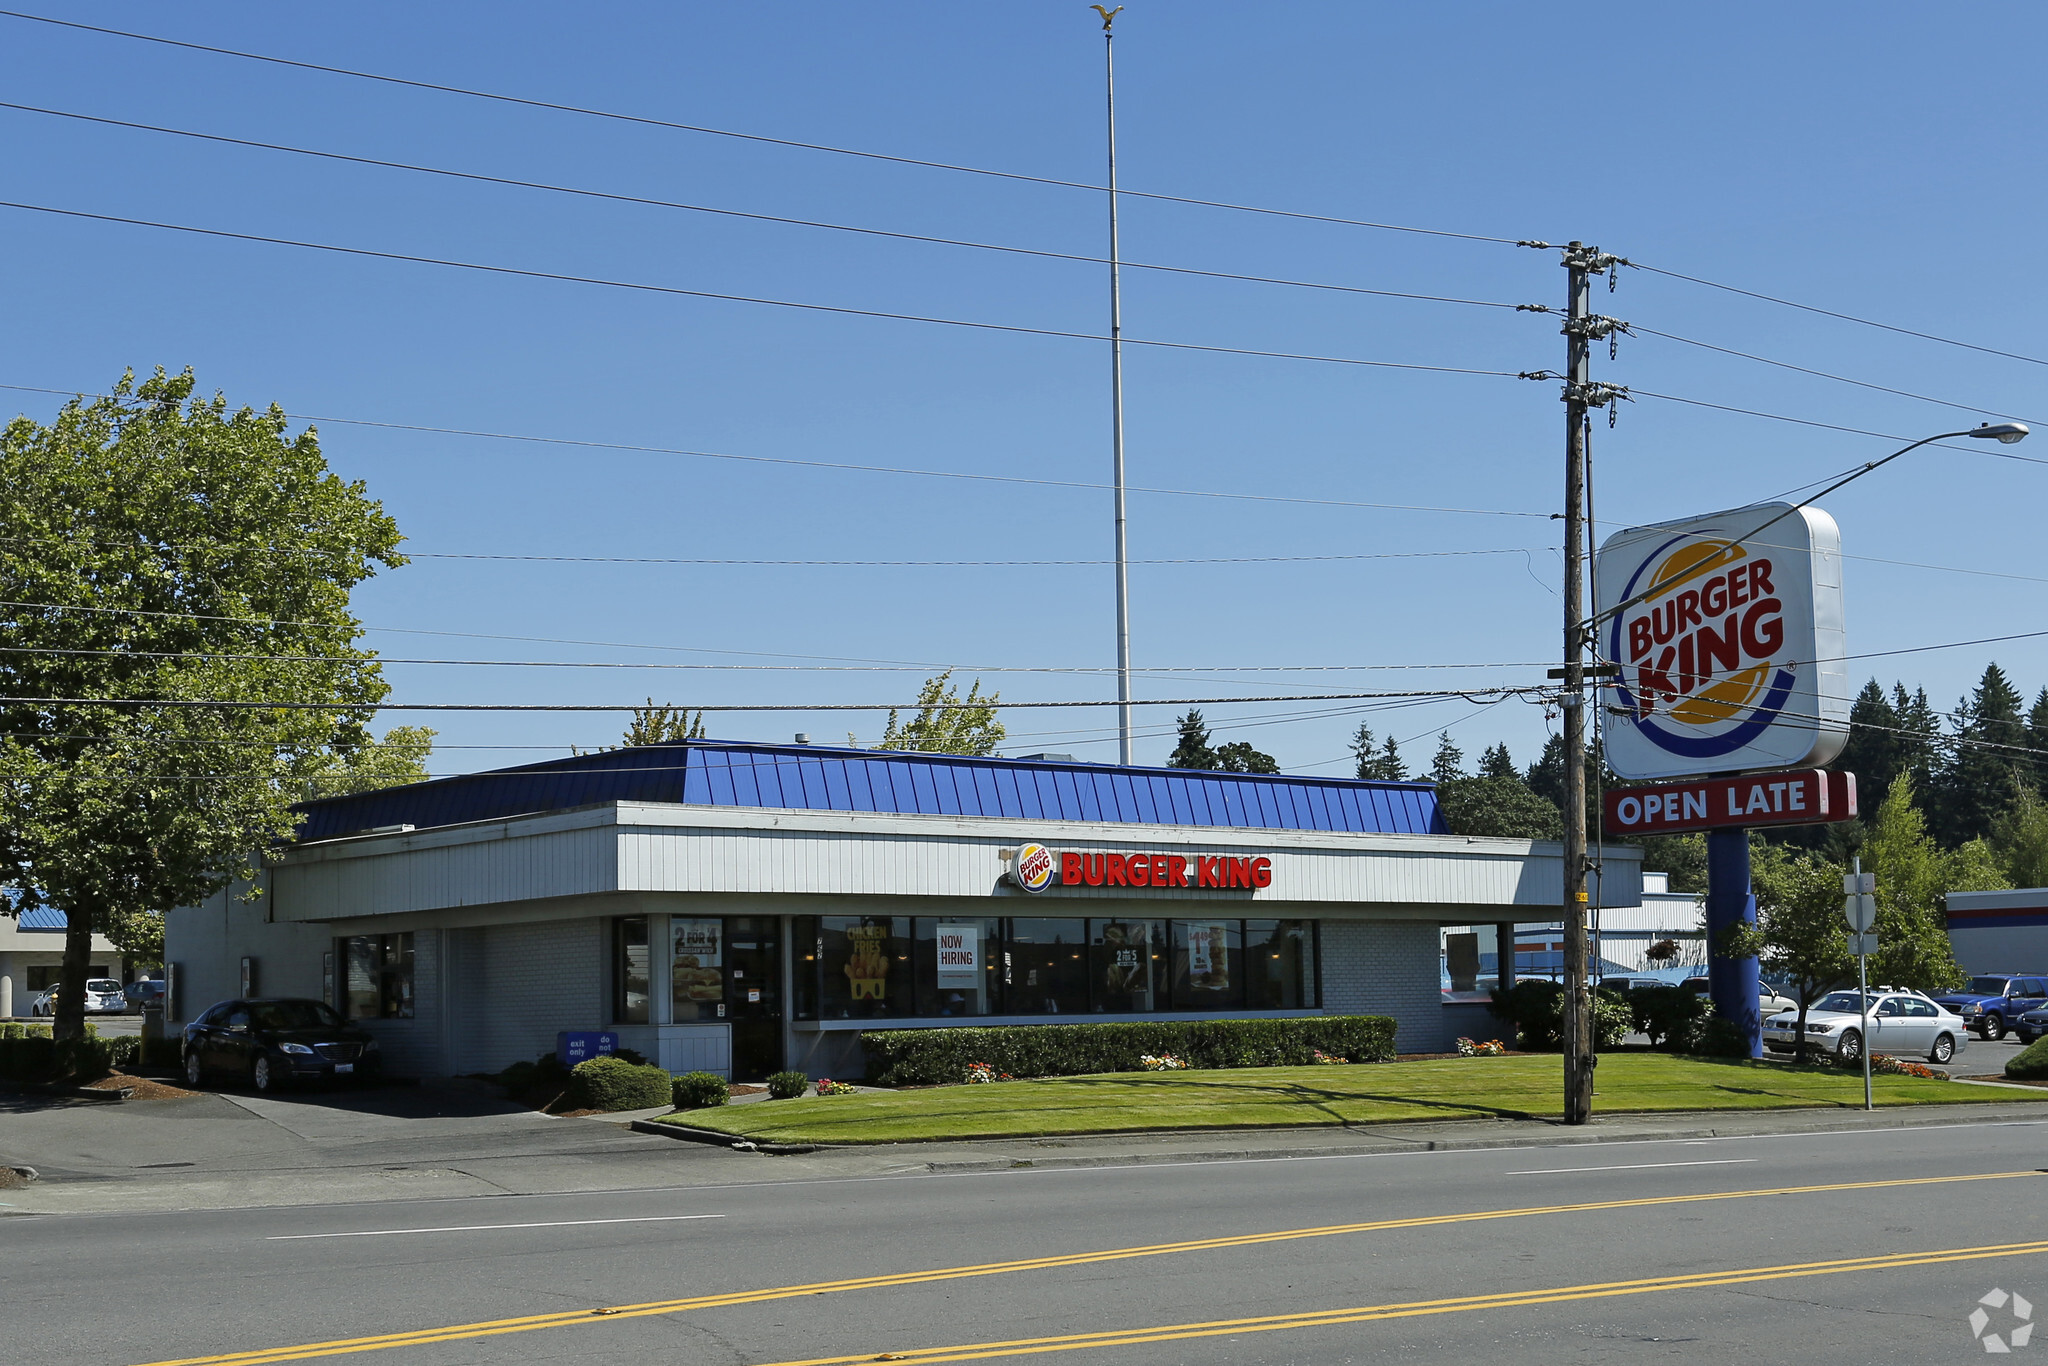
(1845, 317)
(846, 466)
(748, 137)
(562, 277)
(1831, 426)
(1636, 328)
(648, 202)
(194, 702)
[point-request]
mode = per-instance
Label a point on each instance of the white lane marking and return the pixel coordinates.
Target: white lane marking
(478, 1228)
(1637, 1166)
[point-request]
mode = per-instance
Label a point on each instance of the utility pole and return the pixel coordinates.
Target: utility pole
(1116, 411)
(1581, 328)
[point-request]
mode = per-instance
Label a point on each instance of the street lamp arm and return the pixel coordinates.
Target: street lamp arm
(2004, 432)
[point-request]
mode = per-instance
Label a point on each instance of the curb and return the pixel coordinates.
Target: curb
(713, 1138)
(67, 1091)
(1381, 1142)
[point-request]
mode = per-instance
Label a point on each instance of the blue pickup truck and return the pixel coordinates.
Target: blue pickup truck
(1990, 1004)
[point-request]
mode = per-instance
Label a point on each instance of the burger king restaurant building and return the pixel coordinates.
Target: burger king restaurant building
(743, 908)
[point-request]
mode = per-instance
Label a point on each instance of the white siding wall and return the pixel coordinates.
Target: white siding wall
(1386, 968)
(535, 980)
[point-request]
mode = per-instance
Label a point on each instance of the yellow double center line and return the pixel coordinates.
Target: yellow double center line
(573, 1318)
(1217, 1328)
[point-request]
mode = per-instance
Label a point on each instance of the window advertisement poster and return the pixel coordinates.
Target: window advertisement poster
(867, 967)
(1209, 957)
(699, 953)
(959, 949)
(1129, 971)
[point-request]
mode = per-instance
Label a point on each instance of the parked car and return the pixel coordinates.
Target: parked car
(1903, 1024)
(103, 997)
(269, 1043)
(1768, 1002)
(147, 992)
(1991, 1003)
(2030, 1026)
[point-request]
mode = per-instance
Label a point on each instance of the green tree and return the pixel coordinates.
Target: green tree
(1449, 762)
(171, 564)
(1682, 857)
(947, 723)
(2020, 840)
(1800, 931)
(1982, 776)
(1500, 805)
(1194, 750)
(366, 765)
(1385, 765)
(652, 725)
(1498, 763)
(1876, 752)
(2037, 739)
(1913, 874)
(1239, 757)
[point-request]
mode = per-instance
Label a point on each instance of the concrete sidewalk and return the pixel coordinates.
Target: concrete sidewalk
(220, 1151)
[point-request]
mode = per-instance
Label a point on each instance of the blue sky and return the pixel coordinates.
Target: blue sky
(1872, 159)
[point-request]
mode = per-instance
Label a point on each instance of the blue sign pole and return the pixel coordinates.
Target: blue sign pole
(1732, 982)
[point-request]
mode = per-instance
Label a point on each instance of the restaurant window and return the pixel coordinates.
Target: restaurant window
(1127, 965)
(958, 962)
(696, 969)
(1280, 964)
(864, 967)
(378, 983)
(1045, 967)
(630, 962)
(1205, 964)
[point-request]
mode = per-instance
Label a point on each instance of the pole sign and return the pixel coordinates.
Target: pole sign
(1730, 646)
(1806, 797)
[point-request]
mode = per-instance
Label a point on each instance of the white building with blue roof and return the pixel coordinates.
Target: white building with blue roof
(744, 908)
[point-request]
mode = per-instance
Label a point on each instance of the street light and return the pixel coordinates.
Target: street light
(2005, 433)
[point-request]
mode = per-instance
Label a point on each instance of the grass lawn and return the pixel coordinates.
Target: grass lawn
(1378, 1093)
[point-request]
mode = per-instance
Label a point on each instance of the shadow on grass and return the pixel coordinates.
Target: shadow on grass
(1321, 1100)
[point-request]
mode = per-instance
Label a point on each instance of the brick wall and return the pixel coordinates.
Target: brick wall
(1386, 967)
(535, 980)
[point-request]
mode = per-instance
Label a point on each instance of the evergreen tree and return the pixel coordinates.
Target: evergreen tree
(1193, 751)
(1876, 752)
(1498, 763)
(1981, 778)
(1365, 749)
(1912, 876)
(1388, 767)
(2037, 739)
(1546, 775)
(1918, 726)
(1449, 763)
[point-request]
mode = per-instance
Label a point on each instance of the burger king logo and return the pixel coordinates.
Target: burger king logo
(1727, 634)
(1032, 867)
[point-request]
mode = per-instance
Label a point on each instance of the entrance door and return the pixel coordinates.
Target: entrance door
(753, 992)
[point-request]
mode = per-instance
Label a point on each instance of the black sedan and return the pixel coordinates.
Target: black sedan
(270, 1043)
(2031, 1025)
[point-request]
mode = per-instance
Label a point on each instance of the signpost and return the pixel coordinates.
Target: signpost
(1859, 907)
(1726, 633)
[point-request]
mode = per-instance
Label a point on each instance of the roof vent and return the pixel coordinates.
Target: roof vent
(803, 737)
(1051, 758)
(388, 830)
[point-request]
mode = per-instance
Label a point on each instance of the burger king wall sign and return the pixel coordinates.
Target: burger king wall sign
(1730, 646)
(1032, 867)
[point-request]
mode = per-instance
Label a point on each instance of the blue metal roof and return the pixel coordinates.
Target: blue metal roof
(816, 778)
(44, 918)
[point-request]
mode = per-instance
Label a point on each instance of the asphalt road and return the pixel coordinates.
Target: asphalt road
(1838, 1248)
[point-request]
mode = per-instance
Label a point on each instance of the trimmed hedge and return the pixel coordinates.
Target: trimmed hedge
(615, 1084)
(788, 1085)
(2030, 1063)
(1536, 1009)
(699, 1091)
(38, 1057)
(927, 1057)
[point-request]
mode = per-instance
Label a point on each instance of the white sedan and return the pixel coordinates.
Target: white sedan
(1902, 1024)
